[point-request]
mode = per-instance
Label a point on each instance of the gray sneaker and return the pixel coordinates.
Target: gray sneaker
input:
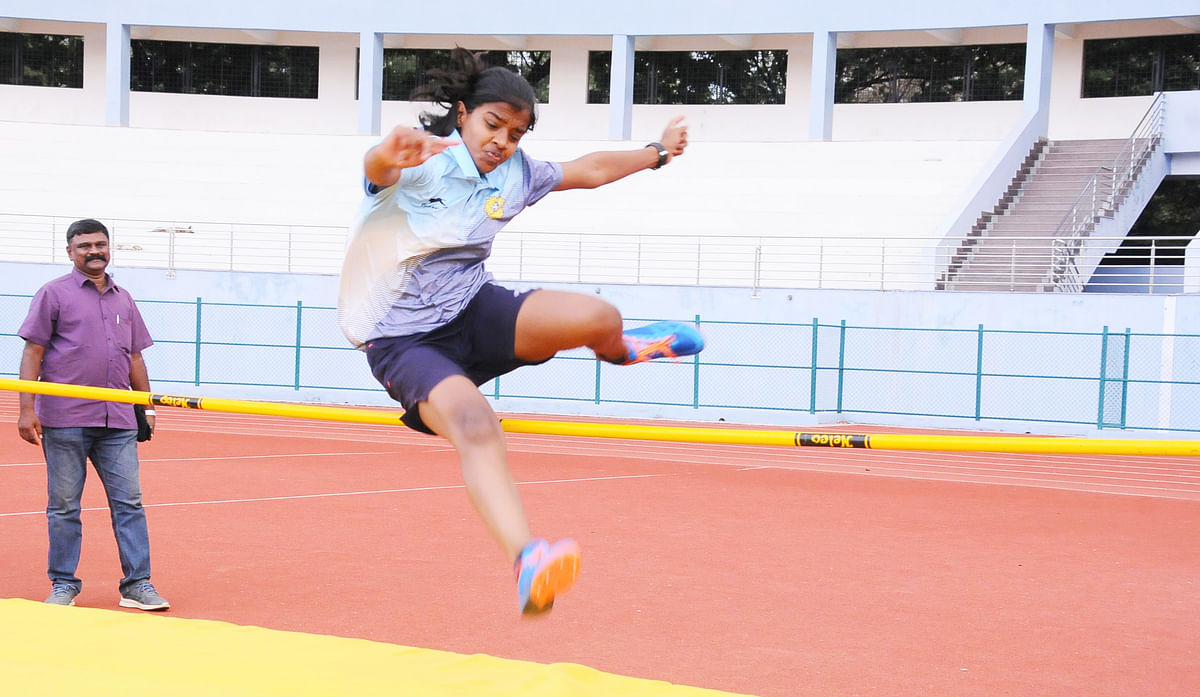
(143, 596)
(62, 594)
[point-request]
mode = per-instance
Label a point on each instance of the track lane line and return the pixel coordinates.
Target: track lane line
(338, 494)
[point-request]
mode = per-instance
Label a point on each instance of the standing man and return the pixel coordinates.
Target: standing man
(84, 329)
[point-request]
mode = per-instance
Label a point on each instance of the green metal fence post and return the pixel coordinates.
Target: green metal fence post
(812, 404)
(841, 364)
(979, 376)
(596, 396)
(1103, 374)
(696, 373)
(299, 326)
(199, 305)
(1125, 380)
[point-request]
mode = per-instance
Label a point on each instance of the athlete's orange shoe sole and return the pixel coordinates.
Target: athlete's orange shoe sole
(545, 571)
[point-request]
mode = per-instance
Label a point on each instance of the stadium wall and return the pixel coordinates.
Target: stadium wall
(570, 31)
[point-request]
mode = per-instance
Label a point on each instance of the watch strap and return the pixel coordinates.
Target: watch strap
(663, 154)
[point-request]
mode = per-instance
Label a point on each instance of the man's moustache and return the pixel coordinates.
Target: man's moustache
(95, 257)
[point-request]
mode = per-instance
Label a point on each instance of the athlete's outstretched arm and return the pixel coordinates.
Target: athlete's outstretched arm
(600, 168)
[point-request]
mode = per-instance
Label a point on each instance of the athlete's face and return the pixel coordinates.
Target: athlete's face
(491, 132)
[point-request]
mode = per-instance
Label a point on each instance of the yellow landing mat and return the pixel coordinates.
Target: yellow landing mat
(49, 651)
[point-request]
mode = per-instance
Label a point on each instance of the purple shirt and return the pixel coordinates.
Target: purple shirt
(90, 338)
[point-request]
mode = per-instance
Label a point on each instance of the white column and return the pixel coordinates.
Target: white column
(820, 100)
(116, 74)
(370, 82)
(620, 89)
(1039, 64)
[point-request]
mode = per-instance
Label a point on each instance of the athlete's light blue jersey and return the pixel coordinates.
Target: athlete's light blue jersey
(416, 252)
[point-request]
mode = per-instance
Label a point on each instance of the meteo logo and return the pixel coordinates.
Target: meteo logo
(166, 400)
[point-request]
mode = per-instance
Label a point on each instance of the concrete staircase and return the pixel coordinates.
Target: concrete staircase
(1010, 247)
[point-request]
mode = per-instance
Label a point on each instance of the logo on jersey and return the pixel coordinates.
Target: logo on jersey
(494, 207)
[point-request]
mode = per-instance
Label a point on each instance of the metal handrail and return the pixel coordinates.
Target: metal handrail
(757, 263)
(1094, 202)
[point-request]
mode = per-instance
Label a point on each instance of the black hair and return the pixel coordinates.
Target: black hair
(471, 82)
(85, 227)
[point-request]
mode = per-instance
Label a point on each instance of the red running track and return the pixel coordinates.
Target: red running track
(769, 571)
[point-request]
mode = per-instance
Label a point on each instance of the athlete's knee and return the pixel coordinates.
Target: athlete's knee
(602, 318)
(473, 426)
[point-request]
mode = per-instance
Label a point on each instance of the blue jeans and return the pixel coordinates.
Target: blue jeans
(114, 454)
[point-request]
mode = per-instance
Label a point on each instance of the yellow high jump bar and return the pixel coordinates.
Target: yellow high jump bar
(685, 434)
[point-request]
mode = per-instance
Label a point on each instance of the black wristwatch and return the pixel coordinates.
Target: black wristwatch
(662, 154)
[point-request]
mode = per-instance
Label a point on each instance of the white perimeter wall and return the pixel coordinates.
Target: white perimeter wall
(999, 313)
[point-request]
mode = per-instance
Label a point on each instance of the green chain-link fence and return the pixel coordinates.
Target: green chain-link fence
(1111, 378)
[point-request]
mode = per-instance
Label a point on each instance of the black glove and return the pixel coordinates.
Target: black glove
(144, 431)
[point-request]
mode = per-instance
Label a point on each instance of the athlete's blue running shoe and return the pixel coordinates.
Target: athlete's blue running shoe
(544, 571)
(661, 340)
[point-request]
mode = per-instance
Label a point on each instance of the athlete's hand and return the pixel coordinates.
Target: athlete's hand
(674, 137)
(401, 148)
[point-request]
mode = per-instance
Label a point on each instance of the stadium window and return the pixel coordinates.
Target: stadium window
(1139, 66)
(405, 69)
(238, 70)
(41, 60)
(695, 77)
(989, 72)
